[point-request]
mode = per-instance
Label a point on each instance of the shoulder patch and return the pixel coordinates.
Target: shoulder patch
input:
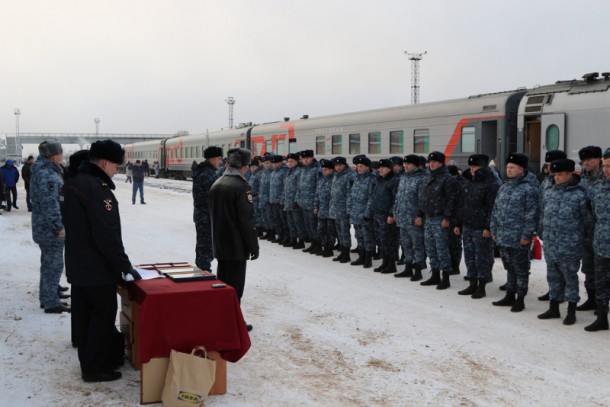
(51, 186)
(108, 204)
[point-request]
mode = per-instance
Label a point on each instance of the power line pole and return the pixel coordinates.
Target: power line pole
(17, 149)
(415, 57)
(230, 101)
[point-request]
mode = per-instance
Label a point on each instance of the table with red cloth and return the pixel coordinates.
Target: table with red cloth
(182, 315)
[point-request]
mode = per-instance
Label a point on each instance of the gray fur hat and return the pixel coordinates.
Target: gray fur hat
(50, 148)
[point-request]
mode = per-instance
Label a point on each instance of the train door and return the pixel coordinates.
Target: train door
(488, 141)
(553, 131)
(531, 143)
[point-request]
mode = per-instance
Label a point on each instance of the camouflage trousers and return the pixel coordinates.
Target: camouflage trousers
(204, 250)
(436, 239)
(412, 241)
(602, 281)
(365, 236)
(517, 265)
(310, 222)
(296, 227)
(343, 231)
(51, 266)
(388, 237)
(478, 254)
(280, 221)
(588, 261)
(562, 277)
(258, 215)
(266, 216)
(327, 231)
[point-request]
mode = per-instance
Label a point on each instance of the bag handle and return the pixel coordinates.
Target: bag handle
(202, 349)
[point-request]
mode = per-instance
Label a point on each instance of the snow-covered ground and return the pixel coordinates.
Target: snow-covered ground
(325, 334)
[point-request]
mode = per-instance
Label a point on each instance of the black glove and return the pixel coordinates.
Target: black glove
(134, 274)
(254, 256)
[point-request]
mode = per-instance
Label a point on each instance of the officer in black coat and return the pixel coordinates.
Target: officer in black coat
(232, 212)
(95, 260)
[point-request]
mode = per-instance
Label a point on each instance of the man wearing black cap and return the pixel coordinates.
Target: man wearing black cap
(254, 182)
(204, 176)
(342, 184)
(514, 220)
(276, 199)
(263, 199)
(359, 208)
(473, 219)
(96, 261)
(26, 174)
(565, 218)
(591, 159)
(436, 209)
(384, 196)
(310, 175)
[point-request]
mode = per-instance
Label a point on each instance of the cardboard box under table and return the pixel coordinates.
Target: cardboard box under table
(160, 315)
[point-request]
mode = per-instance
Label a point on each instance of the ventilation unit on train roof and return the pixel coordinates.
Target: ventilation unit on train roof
(534, 104)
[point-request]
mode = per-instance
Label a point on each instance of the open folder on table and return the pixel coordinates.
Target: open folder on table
(146, 274)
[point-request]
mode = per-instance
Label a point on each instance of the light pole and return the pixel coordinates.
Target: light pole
(97, 126)
(230, 101)
(17, 150)
(415, 57)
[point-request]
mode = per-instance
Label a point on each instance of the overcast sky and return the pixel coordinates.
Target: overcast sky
(160, 66)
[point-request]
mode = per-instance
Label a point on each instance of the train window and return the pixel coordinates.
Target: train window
(269, 146)
(337, 144)
(193, 152)
(468, 139)
(375, 143)
(421, 141)
(280, 147)
(397, 142)
(292, 145)
(320, 145)
(198, 151)
(354, 143)
(552, 137)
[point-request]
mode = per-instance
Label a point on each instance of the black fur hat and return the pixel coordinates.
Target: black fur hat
(590, 152)
(412, 159)
(607, 153)
(436, 156)
(76, 160)
(396, 160)
(339, 160)
(212, 152)
(386, 162)
(255, 161)
(362, 159)
(327, 164)
(562, 165)
(107, 150)
(307, 153)
(453, 170)
(293, 156)
(480, 160)
(375, 165)
(277, 159)
(553, 155)
(519, 159)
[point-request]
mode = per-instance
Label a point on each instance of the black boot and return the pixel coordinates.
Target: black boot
(390, 268)
(470, 289)
(299, 244)
(507, 301)
(444, 284)
(346, 257)
(502, 287)
(356, 250)
(337, 246)
(601, 323)
(480, 292)
(407, 272)
(287, 242)
(310, 248)
(544, 297)
(360, 260)
(340, 256)
(552, 312)
(519, 304)
(588, 305)
(368, 260)
(434, 279)
(377, 255)
(318, 248)
(570, 319)
(416, 273)
(383, 265)
(328, 251)
(455, 268)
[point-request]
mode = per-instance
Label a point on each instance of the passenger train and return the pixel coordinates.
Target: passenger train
(567, 115)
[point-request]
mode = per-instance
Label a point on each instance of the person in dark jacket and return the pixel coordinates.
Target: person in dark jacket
(26, 174)
(436, 209)
(384, 196)
(11, 177)
(204, 176)
(455, 241)
(2, 192)
(232, 214)
(473, 219)
(138, 172)
(327, 229)
(96, 260)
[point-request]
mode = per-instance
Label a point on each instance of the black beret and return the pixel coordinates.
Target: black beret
(480, 160)
(339, 160)
(562, 165)
(375, 165)
(607, 153)
(212, 152)
(436, 156)
(411, 159)
(520, 159)
(590, 152)
(49, 148)
(362, 159)
(293, 156)
(386, 162)
(554, 155)
(396, 160)
(327, 164)
(107, 150)
(307, 153)
(277, 159)
(453, 170)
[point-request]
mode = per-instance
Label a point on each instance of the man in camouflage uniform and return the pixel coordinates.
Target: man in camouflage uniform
(263, 199)
(384, 196)
(436, 209)
(310, 174)
(327, 230)
(276, 199)
(359, 209)
(473, 219)
(405, 212)
(342, 184)
(590, 157)
(254, 182)
(294, 214)
(513, 221)
(565, 218)
(47, 226)
(204, 176)
(600, 202)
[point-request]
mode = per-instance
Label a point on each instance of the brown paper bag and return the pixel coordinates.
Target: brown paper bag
(189, 379)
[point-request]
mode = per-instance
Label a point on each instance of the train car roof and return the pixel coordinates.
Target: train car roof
(590, 83)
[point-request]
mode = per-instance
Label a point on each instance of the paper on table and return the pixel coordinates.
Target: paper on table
(145, 273)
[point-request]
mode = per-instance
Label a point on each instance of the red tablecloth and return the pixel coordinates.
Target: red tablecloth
(187, 314)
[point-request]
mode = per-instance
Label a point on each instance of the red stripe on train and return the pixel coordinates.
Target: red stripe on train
(457, 132)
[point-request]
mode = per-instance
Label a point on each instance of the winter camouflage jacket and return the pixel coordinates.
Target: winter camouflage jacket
(322, 201)
(254, 181)
(45, 187)
(407, 197)
(342, 184)
(476, 200)
(263, 189)
(310, 176)
(360, 199)
(589, 181)
(600, 201)
(565, 218)
(515, 213)
(439, 195)
(204, 176)
(291, 187)
(276, 185)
